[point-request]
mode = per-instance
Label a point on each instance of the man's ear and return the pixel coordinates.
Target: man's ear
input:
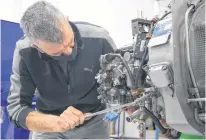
(36, 47)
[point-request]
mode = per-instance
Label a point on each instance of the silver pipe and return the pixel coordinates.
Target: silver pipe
(112, 128)
(196, 100)
(188, 52)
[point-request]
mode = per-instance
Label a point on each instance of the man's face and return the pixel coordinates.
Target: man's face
(65, 48)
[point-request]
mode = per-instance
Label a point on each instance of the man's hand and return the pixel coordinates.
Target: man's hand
(69, 119)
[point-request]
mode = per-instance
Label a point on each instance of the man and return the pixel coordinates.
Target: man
(57, 61)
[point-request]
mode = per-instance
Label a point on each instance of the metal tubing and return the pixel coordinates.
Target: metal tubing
(128, 70)
(188, 52)
(196, 100)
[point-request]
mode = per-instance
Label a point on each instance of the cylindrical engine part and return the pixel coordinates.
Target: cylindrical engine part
(148, 104)
(112, 94)
(122, 99)
(129, 83)
(134, 115)
(112, 98)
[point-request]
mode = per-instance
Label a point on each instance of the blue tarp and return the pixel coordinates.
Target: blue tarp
(10, 33)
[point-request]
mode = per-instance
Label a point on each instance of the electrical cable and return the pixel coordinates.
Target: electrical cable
(146, 48)
(155, 120)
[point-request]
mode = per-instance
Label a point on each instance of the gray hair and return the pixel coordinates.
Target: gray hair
(40, 22)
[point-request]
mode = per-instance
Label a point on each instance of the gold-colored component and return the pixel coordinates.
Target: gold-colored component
(112, 127)
(134, 91)
(141, 93)
(149, 36)
(150, 128)
(135, 120)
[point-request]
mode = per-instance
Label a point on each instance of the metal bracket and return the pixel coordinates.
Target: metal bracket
(196, 100)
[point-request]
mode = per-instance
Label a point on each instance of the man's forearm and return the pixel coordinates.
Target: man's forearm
(38, 122)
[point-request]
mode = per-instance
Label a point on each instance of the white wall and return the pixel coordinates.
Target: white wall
(114, 15)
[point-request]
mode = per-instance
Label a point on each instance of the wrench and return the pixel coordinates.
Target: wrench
(118, 107)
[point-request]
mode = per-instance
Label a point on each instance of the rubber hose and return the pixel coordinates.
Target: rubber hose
(166, 14)
(140, 66)
(159, 125)
(155, 120)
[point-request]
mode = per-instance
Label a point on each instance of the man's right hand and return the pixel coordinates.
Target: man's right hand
(69, 119)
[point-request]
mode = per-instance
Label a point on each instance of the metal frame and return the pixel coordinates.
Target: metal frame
(181, 70)
(188, 52)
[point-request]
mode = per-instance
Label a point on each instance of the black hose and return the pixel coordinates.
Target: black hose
(155, 120)
(140, 66)
(146, 49)
(144, 55)
(159, 125)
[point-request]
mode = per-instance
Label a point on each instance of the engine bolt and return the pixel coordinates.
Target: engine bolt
(98, 97)
(164, 67)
